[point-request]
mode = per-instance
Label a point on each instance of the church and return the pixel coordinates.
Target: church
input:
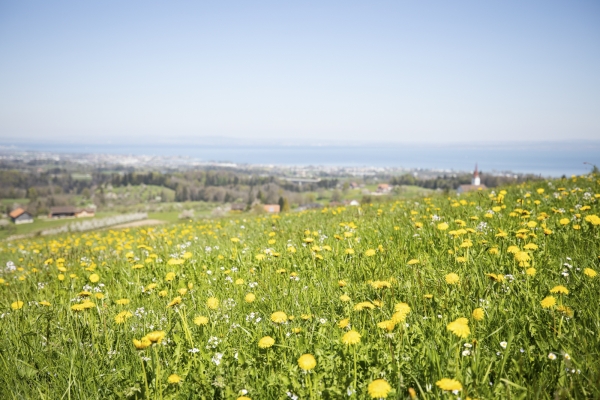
(475, 183)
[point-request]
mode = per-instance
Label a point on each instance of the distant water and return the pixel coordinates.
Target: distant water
(547, 159)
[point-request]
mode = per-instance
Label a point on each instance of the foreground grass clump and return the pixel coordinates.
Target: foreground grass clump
(486, 295)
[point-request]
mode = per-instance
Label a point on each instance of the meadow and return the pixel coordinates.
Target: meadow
(490, 294)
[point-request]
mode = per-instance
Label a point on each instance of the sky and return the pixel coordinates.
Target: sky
(307, 72)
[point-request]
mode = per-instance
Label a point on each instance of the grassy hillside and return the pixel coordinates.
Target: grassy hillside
(489, 295)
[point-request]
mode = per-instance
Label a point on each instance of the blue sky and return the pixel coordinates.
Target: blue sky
(299, 72)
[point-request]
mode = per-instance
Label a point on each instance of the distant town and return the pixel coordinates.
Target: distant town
(45, 193)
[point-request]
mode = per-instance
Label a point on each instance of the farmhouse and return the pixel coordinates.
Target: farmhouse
(20, 216)
(272, 208)
(71, 212)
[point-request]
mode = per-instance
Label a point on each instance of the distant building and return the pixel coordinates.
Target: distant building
(62, 212)
(71, 212)
(238, 207)
(85, 213)
(475, 183)
(383, 188)
(20, 216)
(272, 208)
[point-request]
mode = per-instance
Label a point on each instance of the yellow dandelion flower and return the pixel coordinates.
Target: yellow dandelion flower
(413, 261)
(163, 293)
(201, 320)
(344, 323)
(560, 289)
(170, 276)
(279, 317)
(388, 324)
(370, 253)
(250, 297)
(174, 379)
(342, 283)
(142, 344)
(122, 302)
(452, 278)
(443, 226)
(266, 342)
(174, 302)
(478, 314)
(123, 316)
(345, 298)
(17, 305)
(364, 305)
(94, 278)
(530, 271)
(212, 303)
(590, 273)
(351, 337)
(156, 336)
(548, 302)
(449, 384)
(307, 362)
(380, 284)
(459, 328)
(379, 389)
(513, 249)
(565, 310)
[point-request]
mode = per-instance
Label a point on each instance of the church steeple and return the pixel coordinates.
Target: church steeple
(476, 180)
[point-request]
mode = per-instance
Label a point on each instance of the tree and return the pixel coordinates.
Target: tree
(284, 204)
(336, 196)
(32, 194)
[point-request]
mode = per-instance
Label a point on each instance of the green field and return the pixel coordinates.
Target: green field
(492, 294)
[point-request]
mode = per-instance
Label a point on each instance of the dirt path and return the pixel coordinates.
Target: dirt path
(135, 224)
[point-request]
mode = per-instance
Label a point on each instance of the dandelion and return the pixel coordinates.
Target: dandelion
(370, 253)
(590, 273)
(156, 336)
(174, 379)
(170, 276)
(279, 317)
(351, 337)
(174, 302)
(307, 362)
(142, 344)
(122, 317)
(364, 305)
(459, 327)
(266, 342)
(379, 389)
(559, 289)
(344, 323)
(200, 320)
(449, 384)
(530, 271)
(548, 302)
(452, 278)
(478, 314)
(443, 226)
(250, 297)
(212, 303)
(94, 278)
(17, 305)
(345, 298)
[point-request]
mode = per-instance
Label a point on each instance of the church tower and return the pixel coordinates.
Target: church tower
(476, 181)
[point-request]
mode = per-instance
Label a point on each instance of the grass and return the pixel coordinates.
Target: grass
(464, 292)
